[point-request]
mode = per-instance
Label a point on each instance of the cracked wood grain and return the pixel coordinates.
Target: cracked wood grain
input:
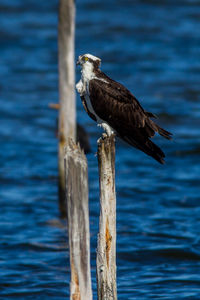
(76, 180)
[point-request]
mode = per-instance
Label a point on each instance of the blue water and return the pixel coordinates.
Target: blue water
(153, 47)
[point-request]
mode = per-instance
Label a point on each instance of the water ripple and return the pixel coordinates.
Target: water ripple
(153, 48)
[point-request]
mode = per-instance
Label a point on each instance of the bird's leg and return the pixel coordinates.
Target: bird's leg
(107, 128)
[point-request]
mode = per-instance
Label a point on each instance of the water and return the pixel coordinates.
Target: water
(153, 48)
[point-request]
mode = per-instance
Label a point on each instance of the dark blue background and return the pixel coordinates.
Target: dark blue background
(153, 47)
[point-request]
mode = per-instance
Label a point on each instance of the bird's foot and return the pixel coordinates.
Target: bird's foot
(107, 128)
(104, 136)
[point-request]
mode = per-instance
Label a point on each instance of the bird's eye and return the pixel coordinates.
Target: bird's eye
(86, 58)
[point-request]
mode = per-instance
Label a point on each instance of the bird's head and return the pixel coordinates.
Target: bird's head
(89, 61)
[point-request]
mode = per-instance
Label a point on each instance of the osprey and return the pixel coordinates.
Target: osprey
(116, 109)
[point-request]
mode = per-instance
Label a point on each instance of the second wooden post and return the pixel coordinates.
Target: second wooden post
(78, 222)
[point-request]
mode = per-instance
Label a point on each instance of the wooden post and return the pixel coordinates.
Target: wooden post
(106, 249)
(67, 111)
(78, 222)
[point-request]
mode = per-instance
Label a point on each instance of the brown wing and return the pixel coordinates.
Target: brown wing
(86, 108)
(114, 104)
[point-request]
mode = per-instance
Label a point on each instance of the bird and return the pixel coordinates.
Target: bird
(116, 109)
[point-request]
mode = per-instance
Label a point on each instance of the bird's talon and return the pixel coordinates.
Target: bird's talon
(104, 135)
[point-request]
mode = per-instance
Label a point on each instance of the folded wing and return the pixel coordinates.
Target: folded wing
(114, 104)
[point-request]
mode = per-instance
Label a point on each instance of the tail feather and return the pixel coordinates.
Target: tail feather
(150, 115)
(166, 134)
(147, 147)
(155, 152)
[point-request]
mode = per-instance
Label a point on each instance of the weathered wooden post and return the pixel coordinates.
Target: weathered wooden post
(106, 249)
(67, 111)
(76, 175)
